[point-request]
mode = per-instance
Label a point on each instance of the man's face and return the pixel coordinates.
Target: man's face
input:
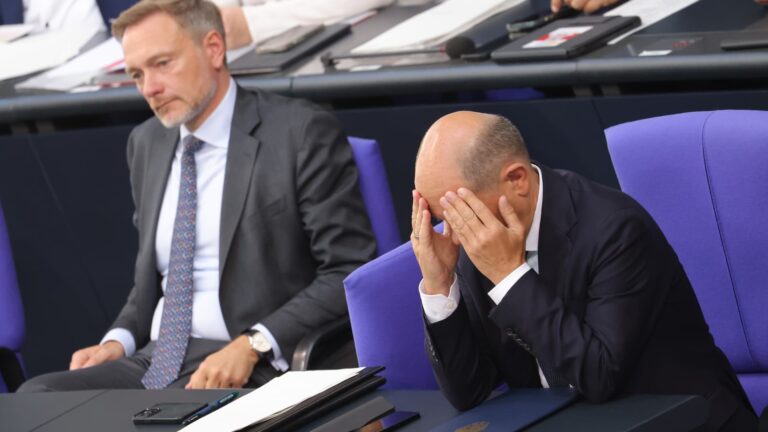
(173, 73)
(433, 184)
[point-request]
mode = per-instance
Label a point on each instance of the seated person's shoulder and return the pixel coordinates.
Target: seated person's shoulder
(272, 105)
(602, 208)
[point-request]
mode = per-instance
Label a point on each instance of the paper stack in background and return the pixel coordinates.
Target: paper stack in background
(103, 58)
(436, 25)
(41, 51)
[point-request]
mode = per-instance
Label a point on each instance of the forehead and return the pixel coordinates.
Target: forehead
(154, 34)
(432, 183)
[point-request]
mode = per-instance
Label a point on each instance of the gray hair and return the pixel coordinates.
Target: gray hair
(496, 144)
(197, 17)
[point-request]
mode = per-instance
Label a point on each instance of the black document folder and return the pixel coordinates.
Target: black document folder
(512, 411)
(254, 63)
(364, 382)
(565, 38)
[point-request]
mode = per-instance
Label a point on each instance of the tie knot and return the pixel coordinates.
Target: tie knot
(192, 144)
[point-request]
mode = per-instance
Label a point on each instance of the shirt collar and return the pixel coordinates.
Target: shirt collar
(532, 239)
(215, 129)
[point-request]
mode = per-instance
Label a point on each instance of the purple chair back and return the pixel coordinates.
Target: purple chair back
(376, 195)
(11, 311)
(703, 176)
(386, 316)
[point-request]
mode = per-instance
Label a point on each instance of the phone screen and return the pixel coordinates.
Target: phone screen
(390, 422)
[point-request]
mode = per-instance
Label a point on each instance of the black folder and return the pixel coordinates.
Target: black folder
(254, 63)
(565, 38)
(364, 382)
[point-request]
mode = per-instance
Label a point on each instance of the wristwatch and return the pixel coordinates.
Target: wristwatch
(260, 344)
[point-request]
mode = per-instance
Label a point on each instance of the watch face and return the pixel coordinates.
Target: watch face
(260, 343)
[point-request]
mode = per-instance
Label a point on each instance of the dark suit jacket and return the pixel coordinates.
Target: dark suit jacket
(611, 311)
(12, 11)
(293, 224)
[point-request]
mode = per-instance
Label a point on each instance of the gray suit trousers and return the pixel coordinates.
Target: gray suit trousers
(126, 373)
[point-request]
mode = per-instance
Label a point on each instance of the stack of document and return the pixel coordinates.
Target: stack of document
(105, 57)
(271, 399)
(41, 51)
(436, 25)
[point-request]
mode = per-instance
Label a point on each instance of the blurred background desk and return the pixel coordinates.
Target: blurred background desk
(64, 182)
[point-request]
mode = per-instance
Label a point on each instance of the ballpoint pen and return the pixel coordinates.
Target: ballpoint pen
(211, 407)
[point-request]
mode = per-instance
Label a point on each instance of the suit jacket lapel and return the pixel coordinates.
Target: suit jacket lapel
(158, 170)
(557, 218)
(241, 156)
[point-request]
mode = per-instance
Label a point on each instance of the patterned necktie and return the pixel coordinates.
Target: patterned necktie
(176, 322)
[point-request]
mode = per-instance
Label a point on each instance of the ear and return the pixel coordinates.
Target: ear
(215, 48)
(515, 179)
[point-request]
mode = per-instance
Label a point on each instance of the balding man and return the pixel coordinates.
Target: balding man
(544, 278)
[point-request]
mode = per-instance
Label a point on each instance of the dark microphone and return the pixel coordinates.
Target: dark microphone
(488, 34)
(460, 45)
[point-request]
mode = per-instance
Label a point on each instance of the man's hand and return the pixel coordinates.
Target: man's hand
(495, 248)
(436, 253)
(230, 367)
(235, 27)
(96, 355)
(587, 6)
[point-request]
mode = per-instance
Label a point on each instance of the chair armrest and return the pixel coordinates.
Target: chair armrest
(320, 343)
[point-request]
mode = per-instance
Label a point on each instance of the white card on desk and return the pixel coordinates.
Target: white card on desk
(649, 11)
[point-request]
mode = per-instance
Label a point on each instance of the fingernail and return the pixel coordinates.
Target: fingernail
(462, 192)
(450, 196)
(443, 202)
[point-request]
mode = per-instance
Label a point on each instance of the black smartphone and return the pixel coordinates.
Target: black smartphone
(167, 413)
(390, 422)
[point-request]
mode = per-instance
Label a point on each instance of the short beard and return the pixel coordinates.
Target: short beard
(192, 113)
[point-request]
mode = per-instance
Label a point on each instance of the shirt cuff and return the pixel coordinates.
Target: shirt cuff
(277, 361)
(499, 291)
(438, 307)
(123, 337)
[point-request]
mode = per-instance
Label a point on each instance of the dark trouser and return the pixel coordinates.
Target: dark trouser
(126, 373)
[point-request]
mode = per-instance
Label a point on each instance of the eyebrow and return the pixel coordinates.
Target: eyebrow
(129, 70)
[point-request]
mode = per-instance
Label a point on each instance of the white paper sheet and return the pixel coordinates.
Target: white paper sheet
(435, 25)
(108, 55)
(41, 51)
(274, 397)
(11, 32)
(649, 11)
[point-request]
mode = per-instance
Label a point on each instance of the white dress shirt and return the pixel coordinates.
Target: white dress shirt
(210, 160)
(61, 14)
(438, 307)
(268, 18)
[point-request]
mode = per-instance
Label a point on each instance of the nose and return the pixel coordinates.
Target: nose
(151, 86)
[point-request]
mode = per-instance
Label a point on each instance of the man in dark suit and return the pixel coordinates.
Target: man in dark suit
(544, 278)
(248, 213)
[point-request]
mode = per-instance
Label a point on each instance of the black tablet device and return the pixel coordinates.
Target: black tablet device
(565, 38)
